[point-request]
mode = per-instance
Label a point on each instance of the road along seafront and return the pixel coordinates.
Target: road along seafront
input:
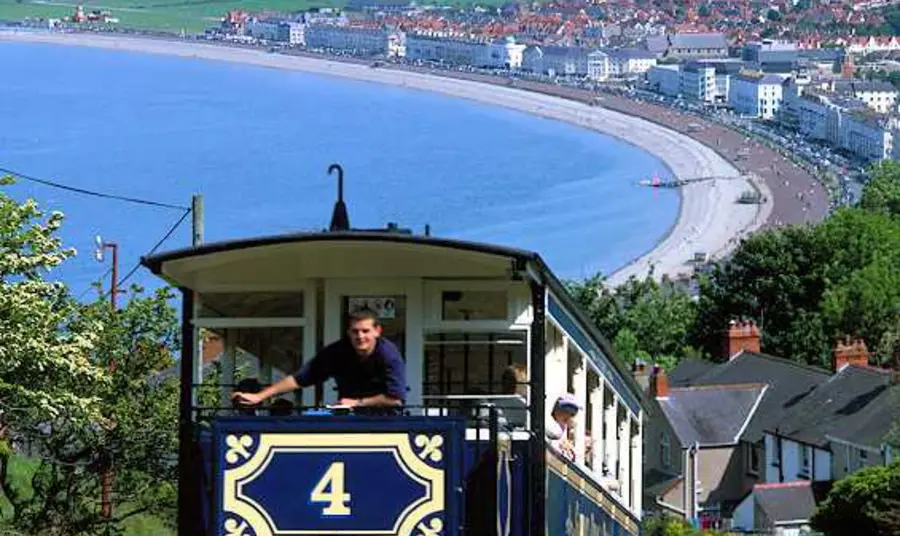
(710, 220)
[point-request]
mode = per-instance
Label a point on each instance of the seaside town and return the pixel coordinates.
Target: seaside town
(741, 377)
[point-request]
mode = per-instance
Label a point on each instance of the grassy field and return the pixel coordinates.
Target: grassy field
(170, 15)
(20, 471)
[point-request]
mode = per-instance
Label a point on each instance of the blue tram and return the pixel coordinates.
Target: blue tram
(468, 454)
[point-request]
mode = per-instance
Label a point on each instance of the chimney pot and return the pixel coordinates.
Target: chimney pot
(741, 335)
(850, 352)
(659, 383)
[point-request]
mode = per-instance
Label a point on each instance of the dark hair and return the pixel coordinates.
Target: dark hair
(248, 385)
(512, 380)
(363, 314)
(281, 408)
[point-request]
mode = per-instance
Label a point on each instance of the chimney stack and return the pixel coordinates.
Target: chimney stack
(659, 383)
(641, 374)
(741, 335)
(849, 352)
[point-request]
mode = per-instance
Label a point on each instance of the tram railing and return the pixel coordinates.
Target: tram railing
(482, 458)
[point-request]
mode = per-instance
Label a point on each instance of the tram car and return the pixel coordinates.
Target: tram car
(491, 342)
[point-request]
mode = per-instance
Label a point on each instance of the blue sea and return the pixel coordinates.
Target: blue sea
(257, 142)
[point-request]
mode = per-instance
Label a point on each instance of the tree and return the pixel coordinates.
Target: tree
(773, 15)
(62, 406)
(645, 319)
(135, 435)
(807, 286)
(882, 193)
(865, 502)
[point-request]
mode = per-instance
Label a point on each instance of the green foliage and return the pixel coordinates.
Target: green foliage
(60, 399)
(807, 286)
(670, 526)
(645, 319)
(865, 502)
(804, 286)
(882, 193)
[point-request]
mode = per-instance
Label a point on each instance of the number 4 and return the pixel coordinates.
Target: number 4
(330, 489)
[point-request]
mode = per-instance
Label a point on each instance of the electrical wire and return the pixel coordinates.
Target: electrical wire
(93, 193)
(158, 244)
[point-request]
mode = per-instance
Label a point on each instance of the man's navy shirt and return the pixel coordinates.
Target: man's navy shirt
(381, 373)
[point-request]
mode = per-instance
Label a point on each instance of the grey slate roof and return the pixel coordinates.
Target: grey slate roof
(787, 501)
(855, 405)
(789, 382)
(710, 415)
(699, 40)
(688, 370)
(657, 44)
(658, 482)
(630, 54)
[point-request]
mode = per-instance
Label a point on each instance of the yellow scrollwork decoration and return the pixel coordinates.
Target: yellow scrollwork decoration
(433, 528)
(431, 447)
(232, 528)
(237, 448)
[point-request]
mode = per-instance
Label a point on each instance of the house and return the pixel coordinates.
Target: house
(782, 509)
(624, 62)
(840, 427)
(729, 460)
(837, 429)
(754, 94)
(697, 45)
(698, 431)
(556, 60)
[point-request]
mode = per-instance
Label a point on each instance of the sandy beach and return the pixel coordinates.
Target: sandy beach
(709, 219)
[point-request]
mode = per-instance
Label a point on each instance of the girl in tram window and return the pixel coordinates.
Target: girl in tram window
(561, 423)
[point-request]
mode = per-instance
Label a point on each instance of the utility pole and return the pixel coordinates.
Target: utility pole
(108, 475)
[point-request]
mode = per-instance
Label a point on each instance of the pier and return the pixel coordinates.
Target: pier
(677, 183)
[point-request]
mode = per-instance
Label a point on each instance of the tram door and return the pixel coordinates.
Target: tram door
(397, 306)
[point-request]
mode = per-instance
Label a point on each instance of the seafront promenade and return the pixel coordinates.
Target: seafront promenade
(710, 219)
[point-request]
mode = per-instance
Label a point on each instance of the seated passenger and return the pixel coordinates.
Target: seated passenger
(247, 385)
(369, 370)
(515, 382)
(562, 420)
(281, 408)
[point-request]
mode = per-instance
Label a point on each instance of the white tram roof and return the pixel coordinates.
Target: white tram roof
(288, 260)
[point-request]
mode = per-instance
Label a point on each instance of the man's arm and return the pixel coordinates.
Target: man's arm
(284, 385)
(379, 400)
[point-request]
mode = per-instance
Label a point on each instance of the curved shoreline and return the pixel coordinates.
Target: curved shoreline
(709, 218)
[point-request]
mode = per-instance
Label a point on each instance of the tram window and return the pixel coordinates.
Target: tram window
(263, 351)
(474, 305)
(471, 363)
(251, 305)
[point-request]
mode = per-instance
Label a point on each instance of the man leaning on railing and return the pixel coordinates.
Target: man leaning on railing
(369, 370)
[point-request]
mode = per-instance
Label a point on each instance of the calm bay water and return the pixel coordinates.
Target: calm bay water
(257, 142)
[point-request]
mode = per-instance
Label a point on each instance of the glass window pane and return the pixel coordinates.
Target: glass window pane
(474, 305)
(251, 304)
(473, 363)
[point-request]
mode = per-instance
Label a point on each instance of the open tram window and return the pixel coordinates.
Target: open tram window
(471, 363)
(265, 354)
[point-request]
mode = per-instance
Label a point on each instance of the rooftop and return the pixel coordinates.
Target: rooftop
(711, 415)
(856, 398)
(699, 40)
(788, 383)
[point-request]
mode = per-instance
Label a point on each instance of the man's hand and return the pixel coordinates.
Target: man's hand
(247, 399)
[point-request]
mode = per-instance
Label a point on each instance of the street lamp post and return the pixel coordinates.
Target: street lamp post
(108, 475)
